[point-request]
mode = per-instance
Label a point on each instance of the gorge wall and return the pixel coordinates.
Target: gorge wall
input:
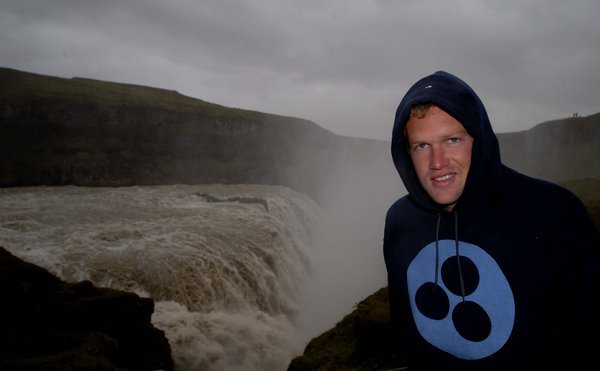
(557, 150)
(57, 131)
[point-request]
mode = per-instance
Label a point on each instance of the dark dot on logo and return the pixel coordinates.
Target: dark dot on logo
(432, 301)
(451, 276)
(471, 321)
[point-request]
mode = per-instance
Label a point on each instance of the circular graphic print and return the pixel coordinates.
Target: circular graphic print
(472, 327)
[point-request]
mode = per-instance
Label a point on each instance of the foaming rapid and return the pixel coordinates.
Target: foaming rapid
(226, 265)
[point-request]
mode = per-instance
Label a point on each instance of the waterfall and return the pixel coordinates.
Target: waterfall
(225, 264)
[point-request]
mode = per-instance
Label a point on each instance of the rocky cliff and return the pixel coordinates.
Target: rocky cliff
(56, 131)
(49, 324)
(558, 150)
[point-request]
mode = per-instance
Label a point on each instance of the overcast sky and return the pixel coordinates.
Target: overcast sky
(343, 64)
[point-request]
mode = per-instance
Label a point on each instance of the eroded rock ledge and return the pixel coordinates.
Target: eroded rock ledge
(242, 200)
(49, 324)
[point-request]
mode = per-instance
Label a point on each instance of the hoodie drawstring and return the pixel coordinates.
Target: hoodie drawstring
(437, 250)
(437, 254)
(460, 275)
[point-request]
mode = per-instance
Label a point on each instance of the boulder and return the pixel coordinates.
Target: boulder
(50, 324)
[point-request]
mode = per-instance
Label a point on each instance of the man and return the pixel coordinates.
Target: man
(487, 268)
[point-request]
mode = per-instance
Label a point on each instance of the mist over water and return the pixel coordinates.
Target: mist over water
(237, 285)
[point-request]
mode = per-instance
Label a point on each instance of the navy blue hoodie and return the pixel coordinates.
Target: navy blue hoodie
(509, 278)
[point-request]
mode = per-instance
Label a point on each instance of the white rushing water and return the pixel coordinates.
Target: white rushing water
(240, 284)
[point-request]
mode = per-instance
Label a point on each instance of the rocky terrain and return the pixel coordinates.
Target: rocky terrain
(49, 324)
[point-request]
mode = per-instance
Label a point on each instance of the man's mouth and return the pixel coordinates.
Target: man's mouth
(443, 178)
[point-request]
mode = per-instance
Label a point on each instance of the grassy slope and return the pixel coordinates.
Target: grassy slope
(34, 85)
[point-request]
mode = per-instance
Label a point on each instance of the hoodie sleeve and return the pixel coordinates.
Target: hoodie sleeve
(396, 280)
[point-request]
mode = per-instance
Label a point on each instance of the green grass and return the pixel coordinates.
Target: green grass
(27, 85)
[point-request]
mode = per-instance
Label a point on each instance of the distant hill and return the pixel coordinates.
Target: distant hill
(57, 131)
(558, 150)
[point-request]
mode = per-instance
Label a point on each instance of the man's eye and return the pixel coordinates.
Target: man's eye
(453, 140)
(420, 147)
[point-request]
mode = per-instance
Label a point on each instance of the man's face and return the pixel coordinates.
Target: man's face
(440, 149)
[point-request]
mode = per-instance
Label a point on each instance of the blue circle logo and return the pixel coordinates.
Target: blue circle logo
(475, 327)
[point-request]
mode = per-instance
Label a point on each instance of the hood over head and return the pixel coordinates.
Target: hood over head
(459, 100)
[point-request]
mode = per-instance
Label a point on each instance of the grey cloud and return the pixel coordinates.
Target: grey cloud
(343, 64)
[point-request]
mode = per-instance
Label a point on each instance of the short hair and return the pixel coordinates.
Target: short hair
(418, 111)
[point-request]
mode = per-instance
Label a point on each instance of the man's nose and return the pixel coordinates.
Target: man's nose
(438, 158)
